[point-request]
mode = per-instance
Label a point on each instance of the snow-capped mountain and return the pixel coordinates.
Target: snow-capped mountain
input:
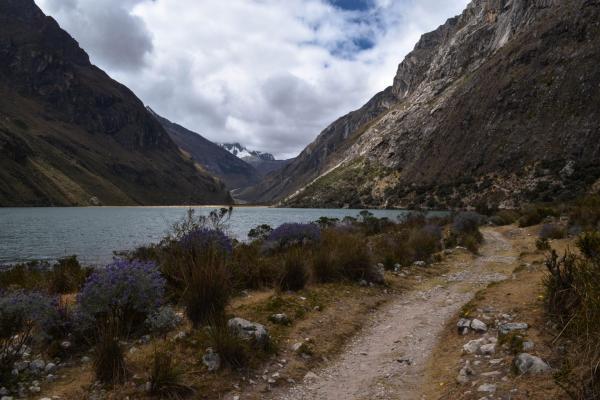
(247, 155)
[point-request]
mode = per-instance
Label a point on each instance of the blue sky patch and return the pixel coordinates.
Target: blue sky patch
(354, 5)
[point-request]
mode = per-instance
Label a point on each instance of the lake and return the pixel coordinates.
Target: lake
(93, 234)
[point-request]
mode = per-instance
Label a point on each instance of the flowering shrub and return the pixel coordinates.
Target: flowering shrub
(204, 238)
(295, 233)
(23, 315)
(124, 288)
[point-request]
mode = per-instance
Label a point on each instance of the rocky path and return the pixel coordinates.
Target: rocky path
(387, 360)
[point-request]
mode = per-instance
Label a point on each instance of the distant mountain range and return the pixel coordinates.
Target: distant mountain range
(242, 152)
(70, 135)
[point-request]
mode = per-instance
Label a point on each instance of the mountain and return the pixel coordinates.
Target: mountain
(242, 152)
(500, 105)
(235, 172)
(264, 163)
(70, 135)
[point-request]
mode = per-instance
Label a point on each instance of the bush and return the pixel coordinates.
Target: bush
(353, 257)
(233, 350)
(109, 363)
(250, 269)
(202, 238)
(573, 300)
(261, 232)
(127, 291)
(23, 316)
(589, 244)
(425, 241)
(534, 215)
(324, 268)
(294, 273)
(542, 244)
(552, 231)
(166, 379)
(291, 234)
(504, 217)
(465, 231)
(67, 276)
(163, 321)
(586, 213)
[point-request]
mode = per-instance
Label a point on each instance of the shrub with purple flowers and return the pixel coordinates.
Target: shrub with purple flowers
(125, 289)
(23, 315)
(203, 238)
(294, 233)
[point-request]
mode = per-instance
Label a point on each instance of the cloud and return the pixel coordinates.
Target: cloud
(270, 74)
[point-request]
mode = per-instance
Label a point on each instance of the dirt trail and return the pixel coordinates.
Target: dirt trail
(387, 359)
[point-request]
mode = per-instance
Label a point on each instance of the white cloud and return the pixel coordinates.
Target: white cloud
(268, 73)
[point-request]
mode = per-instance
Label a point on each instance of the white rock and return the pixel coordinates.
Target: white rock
(473, 346)
(487, 388)
(6, 398)
(528, 364)
(488, 349)
(249, 330)
(478, 326)
(212, 360)
(50, 367)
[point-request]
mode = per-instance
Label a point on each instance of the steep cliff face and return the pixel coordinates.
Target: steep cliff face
(70, 135)
(500, 104)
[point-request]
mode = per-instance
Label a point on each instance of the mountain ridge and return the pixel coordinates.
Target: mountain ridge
(71, 135)
(446, 135)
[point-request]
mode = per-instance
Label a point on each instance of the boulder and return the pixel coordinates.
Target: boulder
(478, 326)
(488, 349)
(463, 326)
(512, 326)
(420, 264)
(310, 377)
(473, 346)
(528, 364)
(249, 330)
(377, 274)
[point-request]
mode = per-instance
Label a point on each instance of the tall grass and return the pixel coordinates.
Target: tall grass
(573, 300)
(166, 378)
(109, 362)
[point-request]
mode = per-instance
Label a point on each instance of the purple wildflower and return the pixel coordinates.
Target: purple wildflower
(295, 233)
(204, 238)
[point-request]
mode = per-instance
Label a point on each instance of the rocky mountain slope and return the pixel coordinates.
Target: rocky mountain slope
(70, 135)
(233, 171)
(499, 105)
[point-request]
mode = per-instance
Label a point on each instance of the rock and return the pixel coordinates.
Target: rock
(34, 389)
(487, 388)
(362, 282)
(478, 326)
(310, 377)
(6, 398)
(463, 326)
(488, 349)
(491, 374)
(85, 359)
(377, 274)
(37, 364)
(473, 346)
(51, 378)
(249, 330)
(296, 347)
(133, 350)
(180, 335)
(281, 319)
(145, 339)
(464, 373)
(528, 345)
(21, 365)
(212, 360)
(65, 345)
(528, 364)
(4, 391)
(50, 367)
(512, 326)
(420, 264)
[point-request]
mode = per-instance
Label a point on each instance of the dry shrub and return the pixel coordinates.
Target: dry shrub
(534, 215)
(250, 269)
(233, 350)
(109, 363)
(166, 378)
(294, 272)
(573, 300)
(505, 217)
(342, 255)
(552, 231)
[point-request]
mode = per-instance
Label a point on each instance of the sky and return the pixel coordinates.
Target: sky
(270, 74)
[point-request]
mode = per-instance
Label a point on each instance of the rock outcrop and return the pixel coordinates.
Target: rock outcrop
(499, 105)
